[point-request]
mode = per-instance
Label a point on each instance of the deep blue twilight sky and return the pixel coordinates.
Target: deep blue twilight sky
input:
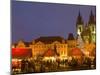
(31, 20)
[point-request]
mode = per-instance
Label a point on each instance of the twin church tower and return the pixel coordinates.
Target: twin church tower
(86, 31)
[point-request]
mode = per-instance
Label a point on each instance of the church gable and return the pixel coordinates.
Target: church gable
(56, 42)
(39, 43)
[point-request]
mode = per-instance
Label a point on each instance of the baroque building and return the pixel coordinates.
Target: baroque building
(43, 44)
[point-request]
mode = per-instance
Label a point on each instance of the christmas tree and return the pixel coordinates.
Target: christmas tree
(80, 43)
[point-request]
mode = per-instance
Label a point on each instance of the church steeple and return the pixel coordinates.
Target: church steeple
(79, 24)
(91, 18)
(79, 19)
(92, 26)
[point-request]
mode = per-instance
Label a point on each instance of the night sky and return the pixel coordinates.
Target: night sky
(31, 20)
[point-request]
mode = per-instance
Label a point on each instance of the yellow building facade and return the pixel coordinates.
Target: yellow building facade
(40, 47)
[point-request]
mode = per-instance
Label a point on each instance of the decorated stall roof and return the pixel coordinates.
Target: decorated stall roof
(76, 52)
(21, 52)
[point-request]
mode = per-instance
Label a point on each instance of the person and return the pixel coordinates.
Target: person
(30, 66)
(22, 65)
(42, 67)
(26, 65)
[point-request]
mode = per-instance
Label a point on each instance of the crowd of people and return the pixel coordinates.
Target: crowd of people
(36, 66)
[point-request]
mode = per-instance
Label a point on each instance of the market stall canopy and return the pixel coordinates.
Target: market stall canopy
(21, 52)
(50, 53)
(76, 52)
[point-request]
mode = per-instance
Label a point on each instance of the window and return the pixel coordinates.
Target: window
(80, 29)
(92, 28)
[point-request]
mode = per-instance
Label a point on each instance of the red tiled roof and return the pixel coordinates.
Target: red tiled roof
(49, 39)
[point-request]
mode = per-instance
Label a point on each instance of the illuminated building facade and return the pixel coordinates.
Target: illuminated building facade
(41, 45)
(88, 31)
